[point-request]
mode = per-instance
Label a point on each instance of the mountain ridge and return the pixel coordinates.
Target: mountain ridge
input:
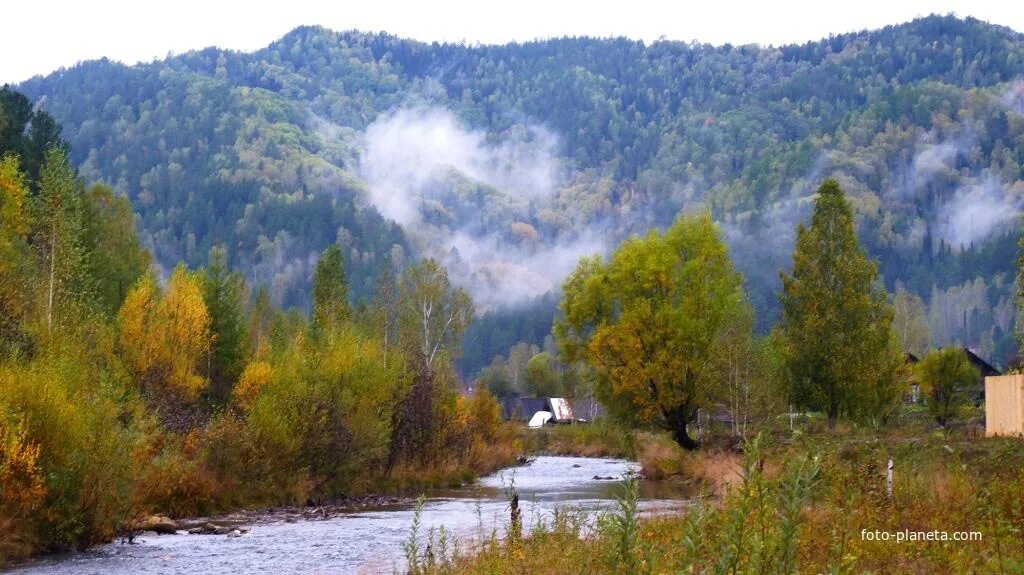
(265, 151)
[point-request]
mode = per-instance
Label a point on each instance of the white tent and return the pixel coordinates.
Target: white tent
(539, 419)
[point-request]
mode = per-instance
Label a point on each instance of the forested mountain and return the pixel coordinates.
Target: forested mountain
(509, 162)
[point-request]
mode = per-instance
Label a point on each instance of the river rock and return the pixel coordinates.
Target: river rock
(160, 525)
(214, 529)
(599, 478)
(205, 529)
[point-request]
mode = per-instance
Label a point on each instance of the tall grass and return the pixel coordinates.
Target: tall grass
(412, 543)
(800, 507)
(600, 438)
(623, 526)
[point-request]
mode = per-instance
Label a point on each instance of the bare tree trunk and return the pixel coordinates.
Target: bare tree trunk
(427, 309)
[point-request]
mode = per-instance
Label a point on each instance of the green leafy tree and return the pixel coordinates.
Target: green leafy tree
(518, 358)
(910, 322)
(27, 133)
(114, 256)
(1019, 333)
(647, 321)
(742, 366)
(261, 320)
(496, 378)
(330, 291)
(542, 377)
(836, 322)
(945, 376)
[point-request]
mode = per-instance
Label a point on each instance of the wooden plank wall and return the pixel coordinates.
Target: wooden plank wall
(1004, 405)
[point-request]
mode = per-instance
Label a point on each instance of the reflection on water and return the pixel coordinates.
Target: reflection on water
(371, 541)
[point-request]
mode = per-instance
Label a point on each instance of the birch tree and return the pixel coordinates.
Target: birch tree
(58, 234)
(434, 314)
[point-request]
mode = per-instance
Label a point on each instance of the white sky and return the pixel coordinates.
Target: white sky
(39, 37)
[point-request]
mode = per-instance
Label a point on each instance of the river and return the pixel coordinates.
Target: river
(368, 541)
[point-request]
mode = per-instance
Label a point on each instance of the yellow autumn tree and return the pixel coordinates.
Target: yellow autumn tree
(137, 311)
(23, 489)
(166, 337)
(15, 272)
(255, 377)
(13, 217)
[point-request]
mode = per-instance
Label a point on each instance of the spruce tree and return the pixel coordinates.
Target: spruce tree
(224, 293)
(330, 290)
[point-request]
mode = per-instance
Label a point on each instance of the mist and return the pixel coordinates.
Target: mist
(470, 201)
(977, 211)
(934, 157)
(981, 205)
(1013, 97)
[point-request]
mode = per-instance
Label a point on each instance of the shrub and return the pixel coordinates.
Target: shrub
(70, 436)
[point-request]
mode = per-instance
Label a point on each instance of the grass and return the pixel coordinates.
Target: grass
(799, 502)
(600, 438)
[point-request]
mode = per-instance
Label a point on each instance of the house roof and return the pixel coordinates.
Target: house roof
(523, 408)
(983, 366)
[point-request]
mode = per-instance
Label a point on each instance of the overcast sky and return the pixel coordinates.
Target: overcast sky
(37, 37)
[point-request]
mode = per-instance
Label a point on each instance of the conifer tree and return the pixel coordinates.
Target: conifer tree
(330, 290)
(224, 293)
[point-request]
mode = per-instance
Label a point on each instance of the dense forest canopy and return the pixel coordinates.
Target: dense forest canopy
(507, 163)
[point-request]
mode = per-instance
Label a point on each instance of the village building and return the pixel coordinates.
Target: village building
(558, 410)
(975, 393)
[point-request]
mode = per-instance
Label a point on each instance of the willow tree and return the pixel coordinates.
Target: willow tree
(836, 321)
(648, 319)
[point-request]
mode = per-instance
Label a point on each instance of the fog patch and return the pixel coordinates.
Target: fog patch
(933, 158)
(1013, 97)
(471, 201)
(977, 211)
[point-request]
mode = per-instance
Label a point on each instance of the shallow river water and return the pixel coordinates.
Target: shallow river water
(368, 541)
